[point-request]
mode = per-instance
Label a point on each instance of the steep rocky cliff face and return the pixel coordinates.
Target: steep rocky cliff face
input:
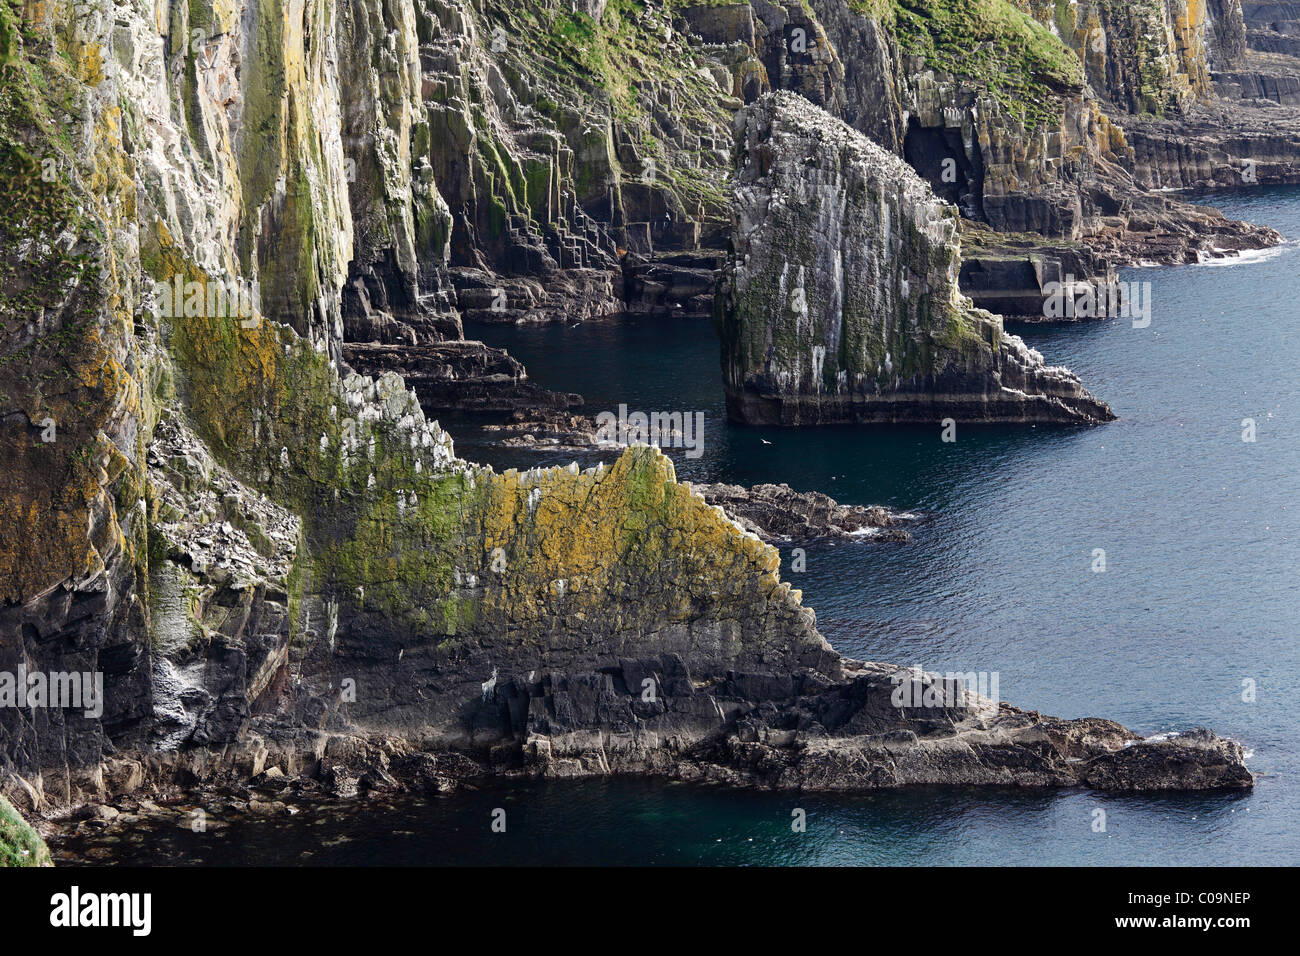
(216, 213)
(840, 303)
(1248, 130)
(221, 515)
(574, 163)
(583, 153)
(1146, 56)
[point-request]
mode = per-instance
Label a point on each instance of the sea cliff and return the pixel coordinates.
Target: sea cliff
(231, 228)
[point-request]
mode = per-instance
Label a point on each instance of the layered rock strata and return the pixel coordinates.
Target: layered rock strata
(1032, 137)
(868, 726)
(583, 154)
(459, 375)
(567, 165)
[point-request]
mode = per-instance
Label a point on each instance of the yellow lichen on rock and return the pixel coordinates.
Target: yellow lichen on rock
(628, 543)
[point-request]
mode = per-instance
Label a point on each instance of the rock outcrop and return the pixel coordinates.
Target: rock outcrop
(584, 154)
(459, 375)
(779, 513)
(854, 736)
(207, 505)
(840, 301)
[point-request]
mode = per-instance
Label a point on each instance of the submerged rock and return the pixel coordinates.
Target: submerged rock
(839, 301)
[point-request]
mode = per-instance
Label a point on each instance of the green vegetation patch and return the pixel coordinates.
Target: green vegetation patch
(1022, 64)
(613, 61)
(20, 845)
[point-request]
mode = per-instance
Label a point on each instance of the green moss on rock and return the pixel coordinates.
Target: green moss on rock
(1021, 63)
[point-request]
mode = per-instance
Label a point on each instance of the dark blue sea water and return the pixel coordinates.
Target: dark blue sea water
(1200, 595)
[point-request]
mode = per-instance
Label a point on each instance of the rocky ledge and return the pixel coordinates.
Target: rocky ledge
(839, 301)
(458, 375)
(779, 513)
(852, 736)
(548, 429)
(772, 512)
(870, 726)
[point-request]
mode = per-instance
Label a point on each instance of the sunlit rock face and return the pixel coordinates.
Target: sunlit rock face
(839, 301)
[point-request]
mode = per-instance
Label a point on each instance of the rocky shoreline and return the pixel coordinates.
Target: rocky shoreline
(815, 734)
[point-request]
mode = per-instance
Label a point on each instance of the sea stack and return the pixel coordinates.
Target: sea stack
(839, 300)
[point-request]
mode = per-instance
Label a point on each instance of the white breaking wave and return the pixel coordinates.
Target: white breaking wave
(1248, 255)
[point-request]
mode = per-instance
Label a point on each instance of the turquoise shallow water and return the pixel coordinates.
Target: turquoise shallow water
(1200, 594)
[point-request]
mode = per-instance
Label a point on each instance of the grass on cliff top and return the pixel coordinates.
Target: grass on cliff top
(20, 845)
(992, 42)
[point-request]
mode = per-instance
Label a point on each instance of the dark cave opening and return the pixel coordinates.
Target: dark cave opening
(939, 157)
